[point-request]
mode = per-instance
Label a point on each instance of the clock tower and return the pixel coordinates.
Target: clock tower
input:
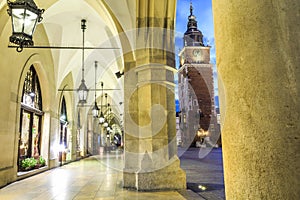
(198, 119)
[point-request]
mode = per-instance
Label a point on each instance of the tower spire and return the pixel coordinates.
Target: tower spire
(191, 8)
(192, 36)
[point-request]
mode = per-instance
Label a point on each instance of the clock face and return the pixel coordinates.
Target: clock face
(196, 52)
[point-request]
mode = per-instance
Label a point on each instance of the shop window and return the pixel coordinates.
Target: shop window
(30, 118)
(63, 141)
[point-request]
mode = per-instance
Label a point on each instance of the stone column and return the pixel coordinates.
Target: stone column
(151, 161)
(258, 50)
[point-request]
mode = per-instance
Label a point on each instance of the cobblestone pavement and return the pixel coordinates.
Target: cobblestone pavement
(205, 179)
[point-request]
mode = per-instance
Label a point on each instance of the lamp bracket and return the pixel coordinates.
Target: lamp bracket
(59, 47)
(71, 90)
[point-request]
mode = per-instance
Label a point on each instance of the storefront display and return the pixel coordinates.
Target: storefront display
(30, 122)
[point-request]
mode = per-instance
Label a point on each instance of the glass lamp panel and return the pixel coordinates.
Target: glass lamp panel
(82, 95)
(101, 118)
(82, 92)
(105, 124)
(95, 112)
(18, 20)
(85, 93)
(30, 22)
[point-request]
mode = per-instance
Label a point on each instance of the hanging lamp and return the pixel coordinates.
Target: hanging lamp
(101, 117)
(24, 17)
(82, 90)
(95, 109)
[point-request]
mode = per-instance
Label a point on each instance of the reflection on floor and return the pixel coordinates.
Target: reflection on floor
(95, 178)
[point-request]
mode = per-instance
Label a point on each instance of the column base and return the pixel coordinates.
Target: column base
(172, 177)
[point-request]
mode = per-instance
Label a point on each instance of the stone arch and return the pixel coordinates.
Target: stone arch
(34, 61)
(65, 91)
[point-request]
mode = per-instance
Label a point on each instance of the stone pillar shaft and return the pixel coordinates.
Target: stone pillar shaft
(151, 161)
(257, 45)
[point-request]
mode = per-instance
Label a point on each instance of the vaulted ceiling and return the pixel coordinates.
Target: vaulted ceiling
(106, 19)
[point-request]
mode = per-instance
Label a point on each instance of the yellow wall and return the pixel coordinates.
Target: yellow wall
(13, 67)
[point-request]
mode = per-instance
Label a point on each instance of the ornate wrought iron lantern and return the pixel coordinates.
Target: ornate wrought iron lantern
(24, 17)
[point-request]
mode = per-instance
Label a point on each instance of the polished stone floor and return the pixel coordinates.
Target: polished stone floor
(98, 178)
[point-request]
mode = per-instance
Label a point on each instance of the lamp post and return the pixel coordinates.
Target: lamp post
(82, 90)
(24, 17)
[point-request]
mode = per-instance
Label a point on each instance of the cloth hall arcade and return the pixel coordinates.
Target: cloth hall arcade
(128, 67)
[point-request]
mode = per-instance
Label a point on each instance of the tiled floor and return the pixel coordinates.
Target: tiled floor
(92, 179)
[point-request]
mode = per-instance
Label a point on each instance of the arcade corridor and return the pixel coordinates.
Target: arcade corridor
(49, 111)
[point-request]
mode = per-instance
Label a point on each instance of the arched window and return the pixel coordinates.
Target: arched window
(31, 97)
(30, 117)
